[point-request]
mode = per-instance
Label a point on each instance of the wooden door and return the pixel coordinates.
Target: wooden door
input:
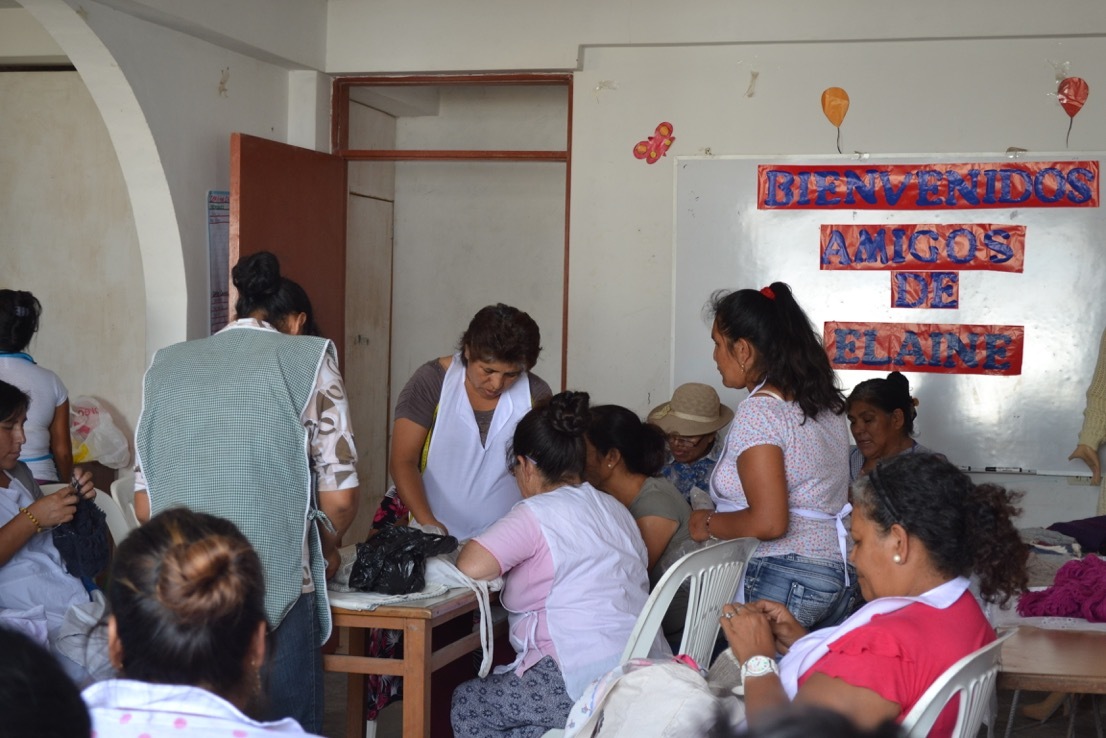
(292, 202)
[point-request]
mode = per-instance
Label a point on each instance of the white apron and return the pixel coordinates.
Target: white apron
(600, 583)
(806, 651)
(467, 484)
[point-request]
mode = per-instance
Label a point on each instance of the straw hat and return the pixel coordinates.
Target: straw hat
(694, 410)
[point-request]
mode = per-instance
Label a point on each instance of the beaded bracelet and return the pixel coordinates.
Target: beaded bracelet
(707, 525)
(29, 514)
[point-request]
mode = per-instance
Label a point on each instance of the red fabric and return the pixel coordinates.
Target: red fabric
(898, 655)
(1078, 591)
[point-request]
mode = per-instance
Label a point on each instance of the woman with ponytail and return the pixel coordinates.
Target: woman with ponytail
(574, 568)
(187, 632)
(921, 530)
(881, 416)
(783, 476)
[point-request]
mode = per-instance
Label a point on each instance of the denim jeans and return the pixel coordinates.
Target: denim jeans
(294, 674)
(812, 589)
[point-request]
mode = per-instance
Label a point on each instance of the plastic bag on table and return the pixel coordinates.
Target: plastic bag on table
(393, 561)
(95, 436)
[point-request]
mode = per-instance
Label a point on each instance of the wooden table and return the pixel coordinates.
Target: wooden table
(417, 621)
(1054, 661)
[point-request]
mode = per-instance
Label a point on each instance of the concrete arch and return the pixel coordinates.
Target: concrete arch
(154, 214)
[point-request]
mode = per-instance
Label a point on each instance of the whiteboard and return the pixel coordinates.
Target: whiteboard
(1030, 421)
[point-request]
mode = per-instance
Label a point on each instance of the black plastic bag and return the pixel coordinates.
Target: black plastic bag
(393, 561)
(83, 541)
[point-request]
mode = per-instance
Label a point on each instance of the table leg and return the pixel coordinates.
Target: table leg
(1071, 720)
(1097, 716)
(355, 687)
(416, 679)
(1013, 712)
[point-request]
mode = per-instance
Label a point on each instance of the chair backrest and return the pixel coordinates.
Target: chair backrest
(122, 489)
(117, 524)
(712, 575)
(973, 678)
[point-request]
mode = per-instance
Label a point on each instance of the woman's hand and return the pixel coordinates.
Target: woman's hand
(697, 525)
(1088, 456)
(785, 628)
(53, 510)
(82, 483)
(748, 632)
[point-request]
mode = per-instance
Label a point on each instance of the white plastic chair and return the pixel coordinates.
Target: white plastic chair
(122, 489)
(973, 678)
(712, 574)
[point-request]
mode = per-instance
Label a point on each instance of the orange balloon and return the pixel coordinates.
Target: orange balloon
(835, 103)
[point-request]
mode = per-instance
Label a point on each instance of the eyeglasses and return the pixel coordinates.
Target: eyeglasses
(684, 441)
(513, 462)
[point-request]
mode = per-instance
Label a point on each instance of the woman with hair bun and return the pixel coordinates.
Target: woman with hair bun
(575, 580)
(48, 450)
(922, 529)
(187, 632)
(252, 425)
(783, 476)
(624, 457)
(881, 416)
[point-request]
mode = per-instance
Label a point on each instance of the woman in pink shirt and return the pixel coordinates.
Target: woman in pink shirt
(574, 565)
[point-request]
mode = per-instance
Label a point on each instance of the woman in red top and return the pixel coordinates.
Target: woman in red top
(920, 528)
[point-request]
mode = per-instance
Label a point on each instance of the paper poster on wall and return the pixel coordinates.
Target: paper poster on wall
(218, 258)
(978, 275)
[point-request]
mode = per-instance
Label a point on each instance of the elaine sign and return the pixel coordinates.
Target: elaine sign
(956, 186)
(920, 347)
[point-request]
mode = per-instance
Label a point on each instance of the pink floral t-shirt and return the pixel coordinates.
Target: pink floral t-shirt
(816, 463)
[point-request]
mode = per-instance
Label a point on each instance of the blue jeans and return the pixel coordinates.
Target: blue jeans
(812, 589)
(294, 674)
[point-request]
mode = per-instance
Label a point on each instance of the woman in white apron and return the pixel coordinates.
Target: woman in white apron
(37, 593)
(575, 576)
(921, 529)
(454, 419)
(783, 476)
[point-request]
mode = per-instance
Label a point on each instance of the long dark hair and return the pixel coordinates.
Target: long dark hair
(13, 401)
(187, 592)
(552, 436)
(19, 313)
(502, 333)
(261, 289)
(966, 528)
(791, 352)
(36, 696)
(642, 445)
(889, 395)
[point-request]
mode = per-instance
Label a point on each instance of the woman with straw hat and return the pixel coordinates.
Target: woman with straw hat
(691, 421)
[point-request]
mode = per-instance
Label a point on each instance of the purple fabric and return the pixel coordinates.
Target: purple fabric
(1090, 532)
(1079, 591)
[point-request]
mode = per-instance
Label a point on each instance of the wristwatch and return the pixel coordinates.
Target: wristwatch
(757, 666)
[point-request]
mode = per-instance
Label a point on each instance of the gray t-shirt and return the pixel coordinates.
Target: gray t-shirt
(659, 497)
(423, 391)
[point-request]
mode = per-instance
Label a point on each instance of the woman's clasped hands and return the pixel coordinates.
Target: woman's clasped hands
(761, 628)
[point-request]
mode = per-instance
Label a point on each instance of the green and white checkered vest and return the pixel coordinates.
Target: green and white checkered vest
(220, 433)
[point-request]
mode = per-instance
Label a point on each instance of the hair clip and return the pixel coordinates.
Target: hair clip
(768, 292)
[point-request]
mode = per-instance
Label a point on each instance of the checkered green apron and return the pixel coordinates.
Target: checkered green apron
(220, 433)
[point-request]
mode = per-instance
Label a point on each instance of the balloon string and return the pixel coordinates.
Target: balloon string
(838, 139)
(1068, 137)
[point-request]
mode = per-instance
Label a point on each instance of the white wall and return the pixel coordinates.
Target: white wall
(67, 235)
(470, 234)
